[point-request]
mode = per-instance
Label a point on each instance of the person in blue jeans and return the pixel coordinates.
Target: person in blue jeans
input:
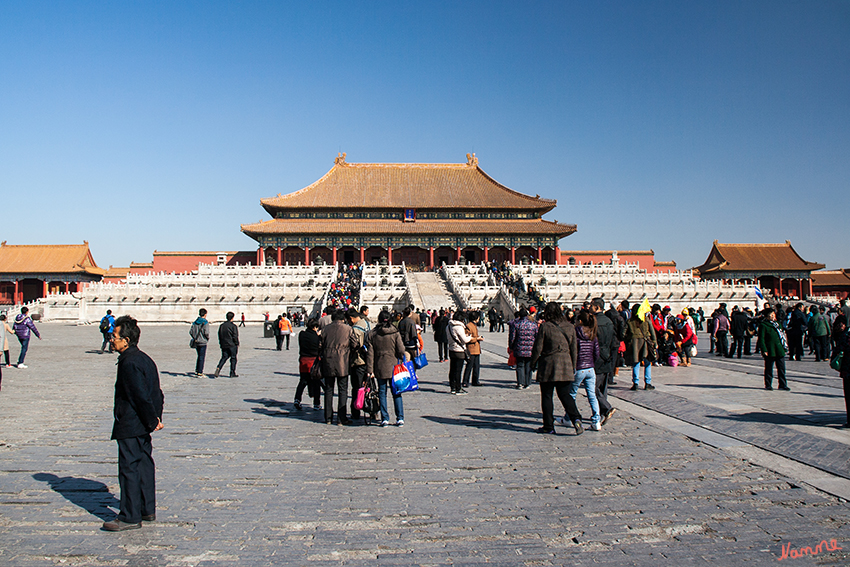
(641, 343)
(588, 353)
(386, 350)
(23, 326)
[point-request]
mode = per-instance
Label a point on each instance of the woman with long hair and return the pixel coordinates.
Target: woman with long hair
(554, 355)
(640, 348)
(308, 351)
(458, 341)
(385, 349)
(588, 353)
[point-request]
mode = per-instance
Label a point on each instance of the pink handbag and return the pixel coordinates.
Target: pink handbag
(360, 400)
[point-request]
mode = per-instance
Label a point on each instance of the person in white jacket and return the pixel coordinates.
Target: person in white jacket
(458, 339)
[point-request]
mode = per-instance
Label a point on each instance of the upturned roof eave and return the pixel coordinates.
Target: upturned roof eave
(272, 205)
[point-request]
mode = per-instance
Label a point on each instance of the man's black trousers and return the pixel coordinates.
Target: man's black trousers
(137, 479)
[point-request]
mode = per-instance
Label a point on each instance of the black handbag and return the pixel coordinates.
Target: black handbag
(316, 370)
(372, 402)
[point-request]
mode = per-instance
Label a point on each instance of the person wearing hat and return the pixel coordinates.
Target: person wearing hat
(684, 337)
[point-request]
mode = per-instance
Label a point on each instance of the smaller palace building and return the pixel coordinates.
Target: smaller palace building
(834, 283)
(416, 213)
(29, 272)
(776, 268)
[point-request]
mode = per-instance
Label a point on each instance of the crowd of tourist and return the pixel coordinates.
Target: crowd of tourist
(345, 291)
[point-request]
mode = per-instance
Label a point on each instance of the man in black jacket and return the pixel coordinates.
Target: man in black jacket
(796, 329)
(409, 336)
(738, 325)
(138, 413)
(619, 322)
(228, 340)
(609, 346)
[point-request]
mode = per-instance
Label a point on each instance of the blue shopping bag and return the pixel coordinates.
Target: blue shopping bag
(404, 379)
(420, 360)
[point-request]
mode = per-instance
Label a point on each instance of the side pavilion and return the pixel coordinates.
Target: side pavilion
(776, 268)
(421, 214)
(29, 272)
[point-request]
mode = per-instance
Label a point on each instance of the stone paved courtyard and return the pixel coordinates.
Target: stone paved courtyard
(245, 479)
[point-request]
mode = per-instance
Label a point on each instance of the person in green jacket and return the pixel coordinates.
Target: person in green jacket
(819, 331)
(773, 346)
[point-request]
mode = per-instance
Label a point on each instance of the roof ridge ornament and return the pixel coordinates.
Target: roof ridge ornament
(471, 159)
(340, 159)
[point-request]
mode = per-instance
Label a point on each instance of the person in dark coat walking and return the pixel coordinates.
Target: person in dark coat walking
(409, 335)
(554, 355)
(842, 344)
(616, 317)
(137, 413)
(738, 324)
(228, 340)
(440, 337)
(609, 346)
(797, 326)
(278, 336)
(308, 350)
(336, 343)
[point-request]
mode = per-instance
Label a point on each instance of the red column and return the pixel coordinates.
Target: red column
(557, 255)
(431, 256)
(486, 256)
(46, 289)
(800, 288)
(362, 255)
(67, 287)
(540, 254)
(458, 255)
(390, 255)
(279, 256)
(334, 254)
(513, 254)
(306, 255)
(259, 256)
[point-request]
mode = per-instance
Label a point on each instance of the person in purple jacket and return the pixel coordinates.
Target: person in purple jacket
(23, 326)
(588, 353)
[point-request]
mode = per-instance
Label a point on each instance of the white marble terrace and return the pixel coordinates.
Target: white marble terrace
(164, 297)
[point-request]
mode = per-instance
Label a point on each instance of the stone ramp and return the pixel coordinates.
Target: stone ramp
(430, 291)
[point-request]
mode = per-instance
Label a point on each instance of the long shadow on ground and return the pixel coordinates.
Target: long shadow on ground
(90, 495)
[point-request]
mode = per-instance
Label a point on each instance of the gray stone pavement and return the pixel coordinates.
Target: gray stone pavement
(245, 479)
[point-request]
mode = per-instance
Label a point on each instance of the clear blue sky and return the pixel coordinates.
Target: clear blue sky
(160, 125)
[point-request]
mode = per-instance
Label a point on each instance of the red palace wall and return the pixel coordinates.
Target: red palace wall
(187, 262)
(645, 260)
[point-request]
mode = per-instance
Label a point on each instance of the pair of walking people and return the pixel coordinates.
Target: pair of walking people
(228, 340)
(565, 357)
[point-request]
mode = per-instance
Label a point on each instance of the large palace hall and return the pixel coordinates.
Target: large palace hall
(416, 213)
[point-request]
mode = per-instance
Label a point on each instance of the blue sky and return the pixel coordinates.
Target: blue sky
(143, 125)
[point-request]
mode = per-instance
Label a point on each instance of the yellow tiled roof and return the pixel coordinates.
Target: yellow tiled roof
(48, 259)
(452, 186)
(755, 258)
(420, 227)
(831, 278)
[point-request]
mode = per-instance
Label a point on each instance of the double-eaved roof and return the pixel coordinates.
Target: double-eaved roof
(765, 259)
(32, 259)
(435, 186)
